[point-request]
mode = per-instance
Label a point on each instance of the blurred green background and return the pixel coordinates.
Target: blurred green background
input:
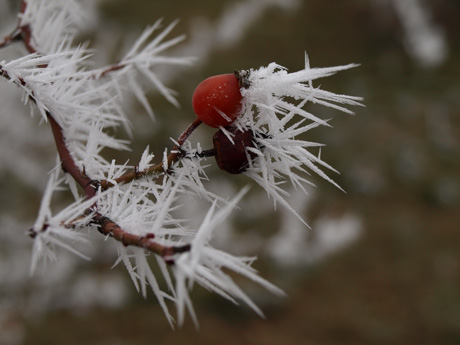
(399, 283)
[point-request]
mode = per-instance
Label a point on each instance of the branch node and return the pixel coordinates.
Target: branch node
(33, 233)
(182, 249)
(138, 173)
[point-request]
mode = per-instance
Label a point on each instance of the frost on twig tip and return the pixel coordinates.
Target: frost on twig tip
(144, 56)
(58, 230)
(208, 266)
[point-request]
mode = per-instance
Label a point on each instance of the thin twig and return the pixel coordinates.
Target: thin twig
(67, 162)
(18, 33)
(109, 69)
(89, 186)
(108, 227)
(158, 168)
(14, 36)
(25, 30)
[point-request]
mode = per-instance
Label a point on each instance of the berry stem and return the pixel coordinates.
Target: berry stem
(188, 131)
(159, 168)
(206, 153)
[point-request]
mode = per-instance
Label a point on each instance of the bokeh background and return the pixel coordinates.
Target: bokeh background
(381, 264)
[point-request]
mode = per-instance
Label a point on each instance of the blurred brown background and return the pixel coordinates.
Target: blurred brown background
(399, 281)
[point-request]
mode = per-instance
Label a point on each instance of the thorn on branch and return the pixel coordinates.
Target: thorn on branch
(95, 184)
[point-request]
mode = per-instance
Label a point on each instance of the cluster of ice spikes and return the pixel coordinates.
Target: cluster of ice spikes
(138, 205)
(274, 105)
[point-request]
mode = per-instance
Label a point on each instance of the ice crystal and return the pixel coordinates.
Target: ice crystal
(274, 110)
(143, 201)
(208, 266)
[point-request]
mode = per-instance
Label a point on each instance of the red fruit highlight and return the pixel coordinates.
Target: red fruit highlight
(217, 100)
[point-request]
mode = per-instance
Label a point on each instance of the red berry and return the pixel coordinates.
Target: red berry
(233, 157)
(217, 100)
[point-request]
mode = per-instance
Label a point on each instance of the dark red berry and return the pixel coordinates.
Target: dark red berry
(233, 157)
(217, 100)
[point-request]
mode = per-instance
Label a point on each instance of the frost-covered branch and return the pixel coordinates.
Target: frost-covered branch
(159, 168)
(260, 117)
(108, 227)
